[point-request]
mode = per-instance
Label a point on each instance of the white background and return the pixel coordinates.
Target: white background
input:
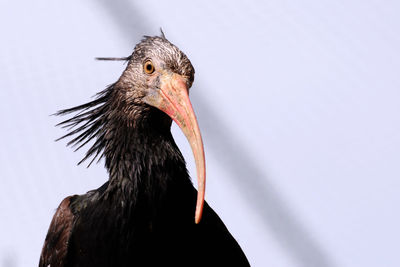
(298, 102)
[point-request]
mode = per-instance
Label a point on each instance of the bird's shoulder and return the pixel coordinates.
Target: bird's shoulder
(55, 248)
(57, 243)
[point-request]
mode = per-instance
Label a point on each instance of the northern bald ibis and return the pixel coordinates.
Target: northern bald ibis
(148, 213)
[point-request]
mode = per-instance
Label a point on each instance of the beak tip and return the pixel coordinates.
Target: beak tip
(197, 217)
(199, 208)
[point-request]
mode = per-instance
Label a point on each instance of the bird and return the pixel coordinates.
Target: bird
(148, 213)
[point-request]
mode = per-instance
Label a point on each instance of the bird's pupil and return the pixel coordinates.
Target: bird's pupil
(149, 67)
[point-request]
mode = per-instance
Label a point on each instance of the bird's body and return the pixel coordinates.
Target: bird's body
(142, 216)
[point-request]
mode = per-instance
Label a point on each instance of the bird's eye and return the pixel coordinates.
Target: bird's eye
(148, 67)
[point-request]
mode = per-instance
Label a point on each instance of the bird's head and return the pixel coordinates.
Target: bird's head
(157, 77)
(156, 71)
(154, 58)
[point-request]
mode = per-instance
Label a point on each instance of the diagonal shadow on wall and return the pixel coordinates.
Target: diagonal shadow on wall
(261, 196)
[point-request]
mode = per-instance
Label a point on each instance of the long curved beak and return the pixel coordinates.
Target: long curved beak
(173, 99)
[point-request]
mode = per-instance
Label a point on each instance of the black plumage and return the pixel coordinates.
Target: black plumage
(143, 215)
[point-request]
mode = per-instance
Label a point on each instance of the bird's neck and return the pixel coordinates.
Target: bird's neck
(144, 161)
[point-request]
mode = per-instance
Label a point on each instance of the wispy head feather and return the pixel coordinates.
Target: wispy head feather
(114, 58)
(88, 123)
(162, 34)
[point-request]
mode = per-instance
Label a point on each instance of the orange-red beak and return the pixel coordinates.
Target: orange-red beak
(173, 99)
